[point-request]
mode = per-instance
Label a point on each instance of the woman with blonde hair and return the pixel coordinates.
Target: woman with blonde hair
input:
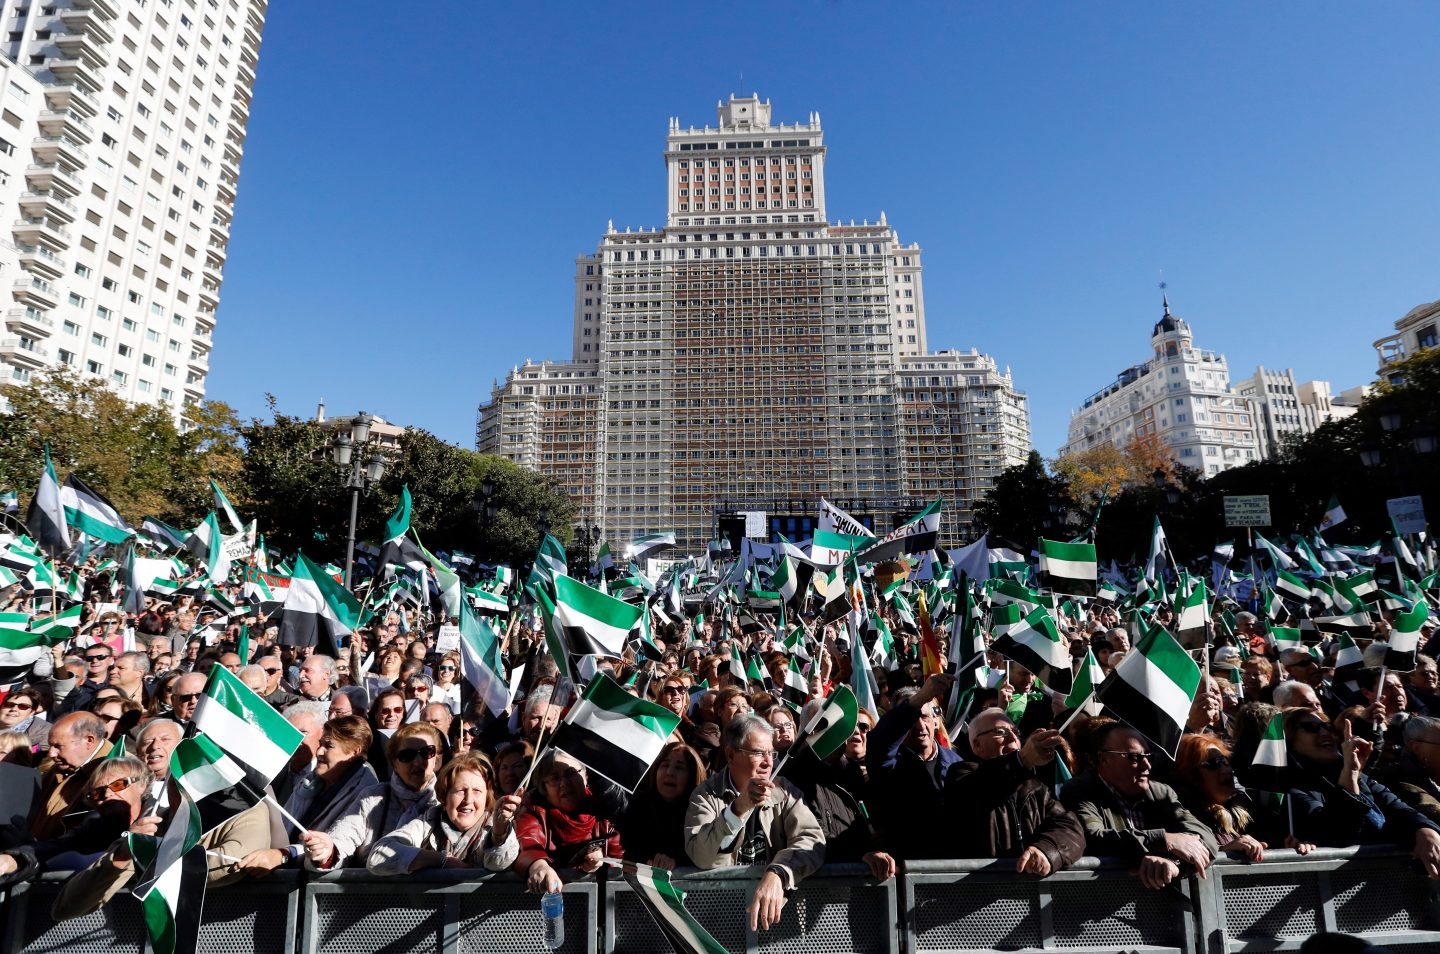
(469, 827)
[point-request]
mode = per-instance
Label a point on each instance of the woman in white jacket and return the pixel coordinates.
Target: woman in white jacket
(469, 828)
(414, 754)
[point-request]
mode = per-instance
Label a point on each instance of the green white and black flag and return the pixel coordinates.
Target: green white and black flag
(46, 517)
(171, 887)
(318, 610)
(1152, 688)
(666, 904)
(481, 662)
(614, 733)
(591, 622)
(917, 535)
(1068, 568)
(87, 511)
(1035, 644)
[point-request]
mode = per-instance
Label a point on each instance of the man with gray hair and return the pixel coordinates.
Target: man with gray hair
(1293, 694)
(129, 674)
(1415, 779)
(743, 815)
(317, 674)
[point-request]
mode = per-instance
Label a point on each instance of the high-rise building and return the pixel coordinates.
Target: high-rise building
(747, 357)
(1182, 395)
(124, 126)
(1284, 406)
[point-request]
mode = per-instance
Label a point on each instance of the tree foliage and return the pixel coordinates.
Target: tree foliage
(134, 454)
(1103, 472)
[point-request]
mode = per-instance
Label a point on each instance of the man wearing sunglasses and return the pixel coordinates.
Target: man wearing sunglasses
(114, 798)
(275, 692)
(99, 660)
(1126, 815)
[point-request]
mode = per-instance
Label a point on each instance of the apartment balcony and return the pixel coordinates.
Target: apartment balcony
(52, 177)
(74, 71)
(240, 108)
(210, 295)
(42, 232)
(42, 204)
(35, 291)
(59, 149)
(108, 9)
(29, 322)
(200, 362)
(80, 20)
(82, 46)
(39, 260)
(24, 352)
(71, 96)
(195, 389)
(219, 231)
(217, 251)
(66, 123)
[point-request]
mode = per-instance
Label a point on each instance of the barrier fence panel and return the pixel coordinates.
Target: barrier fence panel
(964, 906)
(1278, 903)
(935, 906)
(258, 916)
(353, 912)
(840, 908)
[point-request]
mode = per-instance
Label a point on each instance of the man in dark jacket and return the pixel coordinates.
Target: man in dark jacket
(1125, 815)
(1008, 812)
(907, 771)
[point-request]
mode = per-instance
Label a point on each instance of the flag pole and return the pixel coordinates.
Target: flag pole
(1076, 714)
(286, 815)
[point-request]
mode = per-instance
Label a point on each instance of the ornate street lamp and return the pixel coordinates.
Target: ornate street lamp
(363, 466)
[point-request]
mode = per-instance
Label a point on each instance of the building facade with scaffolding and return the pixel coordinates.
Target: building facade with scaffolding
(749, 357)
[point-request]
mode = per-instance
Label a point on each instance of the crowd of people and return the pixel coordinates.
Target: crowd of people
(402, 768)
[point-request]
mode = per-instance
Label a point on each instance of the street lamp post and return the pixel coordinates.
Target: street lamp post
(485, 506)
(361, 472)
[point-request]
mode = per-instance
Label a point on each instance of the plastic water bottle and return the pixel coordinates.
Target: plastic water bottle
(552, 909)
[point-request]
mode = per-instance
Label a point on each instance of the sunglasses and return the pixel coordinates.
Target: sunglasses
(446, 669)
(389, 711)
(470, 731)
(100, 658)
(97, 795)
(1134, 758)
(1312, 726)
(17, 704)
(1215, 763)
(271, 672)
(673, 690)
(406, 756)
(863, 728)
(185, 698)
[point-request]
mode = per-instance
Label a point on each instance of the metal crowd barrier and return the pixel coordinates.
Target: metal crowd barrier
(934, 906)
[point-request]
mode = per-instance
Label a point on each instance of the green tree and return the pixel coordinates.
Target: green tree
(1027, 502)
(134, 454)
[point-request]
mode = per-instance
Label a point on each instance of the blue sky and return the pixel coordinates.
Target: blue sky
(416, 184)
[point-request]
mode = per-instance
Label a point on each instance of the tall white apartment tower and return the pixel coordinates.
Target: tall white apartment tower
(121, 135)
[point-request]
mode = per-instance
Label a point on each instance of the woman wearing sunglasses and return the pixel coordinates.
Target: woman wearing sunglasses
(414, 754)
(1205, 780)
(470, 827)
(447, 683)
(1337, 805)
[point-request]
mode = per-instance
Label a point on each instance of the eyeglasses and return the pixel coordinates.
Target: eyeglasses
(560, 778)
(1312, 726)
(406, 756)
(17, 704)
(999, 732)
(418, 688)
(97, 795)
(185, 698)
(930, 712)
(759, 755)
(785, 726)
(397, 710)
(1215, 762)
(1134, 758)
(271, 672)
(101, 657)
